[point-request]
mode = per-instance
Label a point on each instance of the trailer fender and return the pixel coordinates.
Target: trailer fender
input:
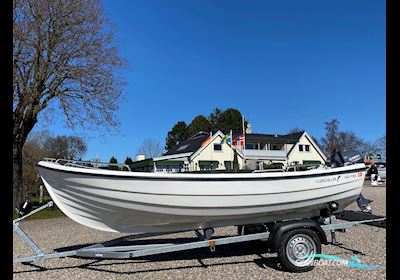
(280, 228)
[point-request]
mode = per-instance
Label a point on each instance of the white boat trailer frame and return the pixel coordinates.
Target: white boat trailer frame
(134, 251)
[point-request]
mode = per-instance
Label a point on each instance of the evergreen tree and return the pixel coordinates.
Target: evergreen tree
(199, 123)
(177, 134)
(128, 161)
(231, 119)
(113, 167)
(215, 119)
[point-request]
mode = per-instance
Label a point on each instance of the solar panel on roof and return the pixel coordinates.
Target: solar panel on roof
(182, 147)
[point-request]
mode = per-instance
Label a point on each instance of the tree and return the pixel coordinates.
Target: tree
(231, 119)
(369, 148)
(214, 118)
(150, 148)
(217, 120)
(177, 134)
(330, 141)
(32, 153)
(226, 120)
(113, 160)
(42, 144)
(199, 123)
(381, 145)
(63, 55)
(336, 140)
(56, 147)
(348, 140)
(76, 147)
(128, 161)
(68, 147)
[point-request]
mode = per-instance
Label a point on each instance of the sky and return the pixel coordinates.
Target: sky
(283, 64)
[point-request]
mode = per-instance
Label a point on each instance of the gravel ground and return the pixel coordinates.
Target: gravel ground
(235, 261)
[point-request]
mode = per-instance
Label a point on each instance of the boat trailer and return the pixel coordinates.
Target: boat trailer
(293, 241)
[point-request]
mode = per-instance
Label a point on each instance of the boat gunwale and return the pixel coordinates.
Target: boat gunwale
(200, 177)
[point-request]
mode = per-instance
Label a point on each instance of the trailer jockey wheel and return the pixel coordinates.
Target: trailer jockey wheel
(294, 248)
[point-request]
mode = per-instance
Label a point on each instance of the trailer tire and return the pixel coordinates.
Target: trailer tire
(296, 244)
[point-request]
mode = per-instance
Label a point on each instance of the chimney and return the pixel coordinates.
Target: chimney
(140, 157)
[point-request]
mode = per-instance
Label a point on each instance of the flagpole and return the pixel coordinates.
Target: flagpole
(211, 149)
(233, 152)
(244, 141)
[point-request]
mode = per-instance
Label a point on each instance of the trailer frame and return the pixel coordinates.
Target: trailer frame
(100, 251)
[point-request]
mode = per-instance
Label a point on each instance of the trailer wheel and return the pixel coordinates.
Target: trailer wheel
(297, 244)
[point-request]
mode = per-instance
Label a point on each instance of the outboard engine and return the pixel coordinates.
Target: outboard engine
(346, 157)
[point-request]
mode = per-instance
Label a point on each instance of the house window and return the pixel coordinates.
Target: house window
(217, 147)
(228, 165)
(300, 148)
(307, 148)
(276, 147)
(208, 165)
(250, 146)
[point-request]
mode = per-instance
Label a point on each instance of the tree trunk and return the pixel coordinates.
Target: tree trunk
(17, 174)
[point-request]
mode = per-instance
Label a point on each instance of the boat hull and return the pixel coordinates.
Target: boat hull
(133, 202)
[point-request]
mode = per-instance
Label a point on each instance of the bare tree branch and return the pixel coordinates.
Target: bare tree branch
(64, 55)
(150, 148)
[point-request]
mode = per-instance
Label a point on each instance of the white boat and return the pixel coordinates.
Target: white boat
(134, 202)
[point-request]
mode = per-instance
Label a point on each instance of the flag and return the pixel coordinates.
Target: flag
(239, 141)
(227, 139)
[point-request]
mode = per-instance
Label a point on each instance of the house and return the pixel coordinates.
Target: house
(142, 165)
(287, 149)
(202, 151)
(207, 151)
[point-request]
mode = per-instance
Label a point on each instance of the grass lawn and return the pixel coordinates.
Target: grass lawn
(44, 214)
